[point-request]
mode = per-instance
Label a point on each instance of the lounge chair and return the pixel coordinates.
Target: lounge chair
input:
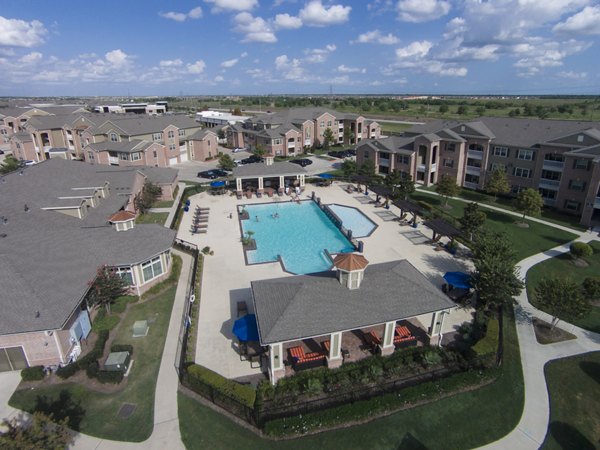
(372, 340)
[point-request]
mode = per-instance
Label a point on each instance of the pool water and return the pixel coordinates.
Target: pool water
(353, 219)
(300, 234)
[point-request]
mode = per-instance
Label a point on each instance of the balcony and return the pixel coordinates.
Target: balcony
(549, 201)
(473, 170)
(307, 142)
(421, 167)
(553, 165)
(475, 154)
(597, 203)
(470, 185)
(113, 160)
(384, 162)
(433, 167)
(291, 145)
(549, 184)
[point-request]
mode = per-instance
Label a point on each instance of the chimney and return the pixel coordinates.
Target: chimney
(350, 269)
(269, 159)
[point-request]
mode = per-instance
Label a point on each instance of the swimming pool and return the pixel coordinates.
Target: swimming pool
(298, 232)
(353, 219)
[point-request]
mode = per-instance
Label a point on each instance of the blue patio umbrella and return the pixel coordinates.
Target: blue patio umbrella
(326, 176)
(245, 328)
(217, 183)
(458, 279)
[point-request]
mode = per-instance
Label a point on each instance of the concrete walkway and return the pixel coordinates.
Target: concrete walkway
(533, 426)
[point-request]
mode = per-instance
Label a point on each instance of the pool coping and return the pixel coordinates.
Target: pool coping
(375, 225)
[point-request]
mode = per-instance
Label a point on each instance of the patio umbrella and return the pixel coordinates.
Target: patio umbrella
(245, 328)
(217, 183)
(458, 279)
(326, 176)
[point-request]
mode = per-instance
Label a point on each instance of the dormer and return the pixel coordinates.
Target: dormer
(122, 220)
(269, 159)
(350, 269)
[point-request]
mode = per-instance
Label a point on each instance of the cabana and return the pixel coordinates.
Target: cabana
(442, 228)
(278, 172)
(360, 180)
(382, 191)
(409, 207)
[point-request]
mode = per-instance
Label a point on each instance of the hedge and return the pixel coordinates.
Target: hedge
(198, 378)
(90, 359)
(489, 343)
(122, 348)
(105, 376)
(581, 250)
(173, 277)
(34, 373)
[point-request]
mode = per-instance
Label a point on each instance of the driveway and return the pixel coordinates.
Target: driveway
(8, 383)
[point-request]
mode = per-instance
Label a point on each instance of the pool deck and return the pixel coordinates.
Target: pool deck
(226, 278)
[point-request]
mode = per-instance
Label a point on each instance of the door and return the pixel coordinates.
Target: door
(172, 161)
(183, 156)
(12, 358)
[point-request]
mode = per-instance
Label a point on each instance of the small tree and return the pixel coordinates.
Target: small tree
(226, 162)
(349, 168)
(462, 110)
(367, 168)
(259, 150)
(328, 138)
(39, 432)
(447, 187)
(498, 183)
(106, 288)
(529, 202)
(581, 250)
(237, 112)
(406, 186)
(443, 108)
(472, 219)
(591, 288)
(144, 200)
(348, 136)
(9, 164)
(392, 180)
(562, 298)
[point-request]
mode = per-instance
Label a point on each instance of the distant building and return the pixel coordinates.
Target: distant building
(159, 108)
(211, 119)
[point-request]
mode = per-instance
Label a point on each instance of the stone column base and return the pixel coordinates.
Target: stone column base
(386, 351)
(434, 340)
(276, 375)
(334, 363)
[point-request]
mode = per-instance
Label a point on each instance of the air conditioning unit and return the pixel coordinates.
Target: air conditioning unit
(48, 332)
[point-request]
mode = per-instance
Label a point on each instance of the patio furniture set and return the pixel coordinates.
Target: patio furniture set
(248, 346)
(200, 221)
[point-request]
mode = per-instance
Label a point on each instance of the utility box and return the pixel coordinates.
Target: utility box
(117, 362)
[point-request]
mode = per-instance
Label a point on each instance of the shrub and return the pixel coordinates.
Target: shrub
(67, 371)
(121, 303)
(581, 250)
(591, 287)
(92, 369)
(489, 343)
(34, 373)
(104, 322)
(122, 348)
(173, 277)
(200, 379)
(90, 359)
(105, 376)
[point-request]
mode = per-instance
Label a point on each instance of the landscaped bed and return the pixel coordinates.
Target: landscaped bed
(93, 408)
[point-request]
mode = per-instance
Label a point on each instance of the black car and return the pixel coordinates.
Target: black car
(251, 159)
(212, 174)
(302, 162)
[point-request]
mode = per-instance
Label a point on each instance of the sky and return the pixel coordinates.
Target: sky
(231, 47)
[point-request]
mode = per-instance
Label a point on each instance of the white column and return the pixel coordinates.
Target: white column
(441, 328)
(335, 346)
(238, 184)
(260, 182)
(387, 346)
(281, 181)
(302, 181)
(276, 369)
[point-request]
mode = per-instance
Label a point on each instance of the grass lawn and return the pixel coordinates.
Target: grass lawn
(463, 421)
(100, 409)
(574, 387)
(158, 218)
(526, 241)
(394, 127)
(562, 266)
(163, 204)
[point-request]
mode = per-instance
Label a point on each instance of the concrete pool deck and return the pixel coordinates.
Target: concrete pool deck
(226, 278)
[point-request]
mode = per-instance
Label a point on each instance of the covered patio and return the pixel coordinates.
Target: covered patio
(442, 228)
(407, 207)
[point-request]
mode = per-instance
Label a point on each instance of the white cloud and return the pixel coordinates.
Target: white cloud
(219, 79)
(171, 63)
(570, 75)
(316, 15)
(117, 58)
(244, 54)
(196, 67)
(291, 69)
(19, 33)
(586, 21)
(375, 37)
(345, 69)
(256, 29)
(422, 10)
(540, 54)
(416, 49)
(31, 58)
(229, 63)
(195, 13)
(287, 22)
(318, 55)
(232, 5)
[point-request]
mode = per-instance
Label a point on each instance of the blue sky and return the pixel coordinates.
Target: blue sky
(148, 47)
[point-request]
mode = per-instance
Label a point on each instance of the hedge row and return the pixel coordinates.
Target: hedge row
(34, 373)
(88, 360)
(361, 410)
(200, 379)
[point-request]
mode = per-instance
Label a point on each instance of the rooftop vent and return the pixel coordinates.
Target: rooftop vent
(26, 208)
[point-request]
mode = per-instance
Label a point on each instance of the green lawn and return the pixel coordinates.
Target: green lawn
(463, 421)
(158, 218)
(526, 241)
(99, 416)
(574, 387)
(394, 127)
(561, 266)
(163, 204)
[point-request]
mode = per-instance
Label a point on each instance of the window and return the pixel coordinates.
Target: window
(152, 269)
(126, 275)
(366, 155)
(448, 162)
(329, 123)
(497, 166)
(322, 124)
(384, 170)
(476, 163)
(550, 175)
(3, 131)
(181, 133)
(554, 157)
(383, 155)
(402, 159)
(171, 134)
(501, 151)
(515, 188)
(580, 138)
(157, 137)
(154, 152)
(123, 156)
(276, 141)
(547, 194)
(476, 147)
(114, 137)
(581, 164)
(135, 156)
(471, 178)
(577, 185)
(522, 172)
(172, 147)
(572, 205)
(524, 154)
(450, 147)
(91, 155)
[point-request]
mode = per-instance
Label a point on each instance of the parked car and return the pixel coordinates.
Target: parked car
(212, 174)
(302, 162)
(336, 153)
(251, 159)
(1, 152)
(239, 149)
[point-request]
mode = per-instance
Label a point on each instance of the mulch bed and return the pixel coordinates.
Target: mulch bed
(545, 334)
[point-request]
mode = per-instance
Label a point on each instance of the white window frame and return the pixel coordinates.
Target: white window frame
(448, 162)
(520, 172)
(181, 133)
(114, 137)
(501, 151)
(121, 271)
(171, 134)
(152, 264)
(574, 203)
(135, 156)
(498, 166)
(525, 154)
(157, 137)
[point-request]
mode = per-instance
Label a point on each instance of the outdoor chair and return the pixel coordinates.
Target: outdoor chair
(242, 308)
(372, 340)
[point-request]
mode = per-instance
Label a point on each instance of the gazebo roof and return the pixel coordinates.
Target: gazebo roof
(380, 189)
(442, 227)
(361, 178)
(407, 205)
(278, 168)
(121, 216)
(350, 262)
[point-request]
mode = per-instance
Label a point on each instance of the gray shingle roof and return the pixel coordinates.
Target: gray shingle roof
(262, 170)
(135, 145)
(47, 258)
(393, 144)
(137, 124)
(293, 308)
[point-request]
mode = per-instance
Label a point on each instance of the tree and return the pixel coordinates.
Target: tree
(328, 138)
(237, 112)
(39, 432)
(529, 202)
(259, 150)
(349, 136)
(562, 298)
(406, 186)
(480, 110)
(106, 288)
(226, 162)
(591, 288)
(443, 108)
(495, 276)
(144, 200)
(393, 179)
(581, 250)
(472, 219)
(447, 187)
(9, 164)
(462, 110)
(367, 168)
(349, 168)
(498, 183)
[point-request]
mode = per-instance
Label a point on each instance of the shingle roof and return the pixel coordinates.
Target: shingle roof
(134, 126)
(262, 170)
(46, 257)
(350, 261)
(135, 145)
(393, 144)
(200, 134)
(303, 306)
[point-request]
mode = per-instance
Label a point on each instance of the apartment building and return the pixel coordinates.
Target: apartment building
(293, 131)
(202, 145)
(60, 221)
(559, 158)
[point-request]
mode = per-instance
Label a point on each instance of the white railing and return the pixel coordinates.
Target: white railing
(306, 142)
(554, 164)
(549, 201)
(421, 167)
(553, 184)
(470, 185)
(473, 170)
(384, 162)
(291, 145)
(113, 160)
(475, 154)
(433, 167)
